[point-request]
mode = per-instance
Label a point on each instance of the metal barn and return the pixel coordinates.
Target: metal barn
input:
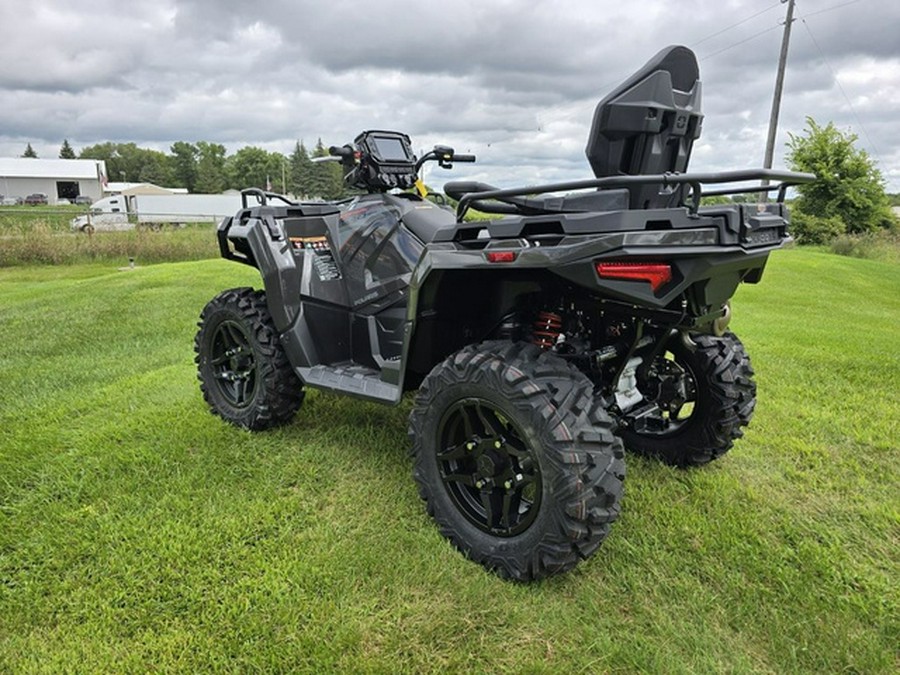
(57, 178)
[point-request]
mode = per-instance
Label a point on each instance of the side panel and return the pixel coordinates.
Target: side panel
(377, 253)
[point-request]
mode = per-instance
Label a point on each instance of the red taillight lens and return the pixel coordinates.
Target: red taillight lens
(501, 256)
(657, 274)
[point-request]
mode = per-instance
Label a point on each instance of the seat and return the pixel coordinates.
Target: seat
(648, 124)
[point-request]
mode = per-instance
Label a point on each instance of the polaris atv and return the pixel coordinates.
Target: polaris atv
(589, 318)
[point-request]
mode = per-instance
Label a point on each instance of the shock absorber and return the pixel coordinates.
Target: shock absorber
(546, 329)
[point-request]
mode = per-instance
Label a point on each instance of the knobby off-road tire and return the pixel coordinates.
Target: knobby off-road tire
(244, 373)
(723, 393)
(518, 466)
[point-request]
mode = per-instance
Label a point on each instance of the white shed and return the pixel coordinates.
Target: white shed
(56, 178)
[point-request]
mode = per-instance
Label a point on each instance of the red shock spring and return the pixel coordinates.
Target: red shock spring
(546, 329)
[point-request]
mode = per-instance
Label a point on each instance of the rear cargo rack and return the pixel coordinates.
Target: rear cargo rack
(694, 181)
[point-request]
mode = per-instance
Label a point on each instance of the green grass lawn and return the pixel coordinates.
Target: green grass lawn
(138, 532)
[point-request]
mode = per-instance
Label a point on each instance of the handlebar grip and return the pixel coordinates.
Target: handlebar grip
(340, 151)
(463, 158)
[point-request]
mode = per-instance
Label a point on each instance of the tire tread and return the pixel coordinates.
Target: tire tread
(585, 460)
(280, 391)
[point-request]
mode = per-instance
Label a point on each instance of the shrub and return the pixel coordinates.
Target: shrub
(882, 245)
(808, 229)
(848, 185)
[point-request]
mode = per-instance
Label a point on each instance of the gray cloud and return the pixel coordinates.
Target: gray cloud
(514, 83)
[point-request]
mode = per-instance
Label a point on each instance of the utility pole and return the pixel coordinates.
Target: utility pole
(779, 86)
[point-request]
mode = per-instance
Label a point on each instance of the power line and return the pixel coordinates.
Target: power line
(738, 44)
(739, 23)
(841, 88)
(556, 113)
(828, 9)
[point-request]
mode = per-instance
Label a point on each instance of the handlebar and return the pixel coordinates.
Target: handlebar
(444, 156)
(380, 160)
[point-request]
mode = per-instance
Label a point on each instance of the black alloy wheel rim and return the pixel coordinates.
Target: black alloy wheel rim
(487, 467)
(233, 364)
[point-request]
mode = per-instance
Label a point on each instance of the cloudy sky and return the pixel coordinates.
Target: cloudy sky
(513, 82)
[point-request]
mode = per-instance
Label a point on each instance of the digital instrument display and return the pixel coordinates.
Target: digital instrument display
(390, 149)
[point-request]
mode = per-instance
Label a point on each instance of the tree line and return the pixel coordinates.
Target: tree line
(849, 196)
(207, 168)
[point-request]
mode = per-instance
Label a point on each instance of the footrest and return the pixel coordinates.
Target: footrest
(352, 379)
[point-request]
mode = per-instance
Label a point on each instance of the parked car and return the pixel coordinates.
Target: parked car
(83, 199)
(36, 198)
(10, 201)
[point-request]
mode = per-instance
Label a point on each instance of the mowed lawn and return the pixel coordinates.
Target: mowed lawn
(140, 533)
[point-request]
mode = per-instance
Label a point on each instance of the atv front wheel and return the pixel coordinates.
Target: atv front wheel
(516, 463)
(244, 373)
(704, 394)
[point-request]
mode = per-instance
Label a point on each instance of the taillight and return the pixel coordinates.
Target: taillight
(501, 256)
(657, 274)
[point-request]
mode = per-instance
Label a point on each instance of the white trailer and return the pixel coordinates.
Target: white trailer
(125, 212)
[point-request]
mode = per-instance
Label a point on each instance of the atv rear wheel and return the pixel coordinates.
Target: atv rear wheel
(244, 373)
(516, 463)
(704, 394)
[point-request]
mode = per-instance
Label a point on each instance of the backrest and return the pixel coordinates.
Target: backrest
(648, 124)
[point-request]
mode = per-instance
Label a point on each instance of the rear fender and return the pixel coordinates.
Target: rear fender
(451, 308)
(463, 301)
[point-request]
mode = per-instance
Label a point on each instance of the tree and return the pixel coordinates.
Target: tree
(155, 167)
(184, 164)
(210, 168)
(849, 193)
(253, 167)
(280, 171)
(66, 151)
(301, 170)
(108, 153)
(29, 152)
(327, 179)
(128, 162)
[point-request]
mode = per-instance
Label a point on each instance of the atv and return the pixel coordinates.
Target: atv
(588, 318)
